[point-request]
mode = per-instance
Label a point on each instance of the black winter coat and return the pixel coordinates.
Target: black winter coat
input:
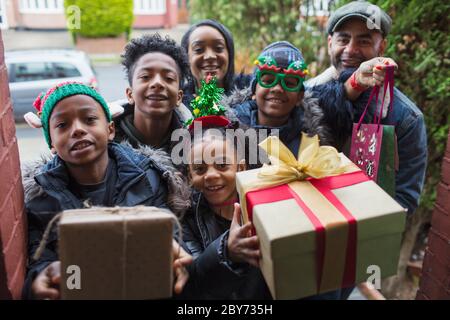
(140, 180)
(126, 131)
(212, 275)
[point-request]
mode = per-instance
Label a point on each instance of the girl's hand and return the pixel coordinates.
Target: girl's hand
(46, 284)
(241, 246)
(181, 260)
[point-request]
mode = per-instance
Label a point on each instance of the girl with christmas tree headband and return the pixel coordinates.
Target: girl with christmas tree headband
(225, 256)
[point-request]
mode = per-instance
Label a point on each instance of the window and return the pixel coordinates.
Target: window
(3, 24)
(66, 70)
(42, 6)
(149, 7)
(32, 71)
(315, 8)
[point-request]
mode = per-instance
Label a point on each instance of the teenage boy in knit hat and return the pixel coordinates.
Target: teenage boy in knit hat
(357, 32)
(87, 167)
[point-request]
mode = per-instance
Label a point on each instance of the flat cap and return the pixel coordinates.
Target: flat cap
(366, 11)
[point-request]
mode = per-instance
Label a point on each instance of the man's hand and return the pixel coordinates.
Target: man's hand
(241, 246)
(46, 284)
(181, 260)
(372, 72)
(369, 74)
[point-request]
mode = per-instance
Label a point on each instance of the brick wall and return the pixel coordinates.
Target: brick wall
(172, 13)
(43, 21)
(149, 21)
(435, 279)
(12, 220)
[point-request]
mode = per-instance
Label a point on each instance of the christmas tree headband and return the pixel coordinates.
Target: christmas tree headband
(206, 107)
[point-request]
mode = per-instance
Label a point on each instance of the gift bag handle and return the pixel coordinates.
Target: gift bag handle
(388, 82)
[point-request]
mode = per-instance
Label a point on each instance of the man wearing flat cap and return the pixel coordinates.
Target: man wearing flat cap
(357, 34)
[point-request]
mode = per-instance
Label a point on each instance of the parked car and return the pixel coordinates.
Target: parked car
(34, 71)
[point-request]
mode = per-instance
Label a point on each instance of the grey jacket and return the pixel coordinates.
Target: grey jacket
(212, 275)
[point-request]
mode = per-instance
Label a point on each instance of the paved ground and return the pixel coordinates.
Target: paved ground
(31, 143)
(112, 81)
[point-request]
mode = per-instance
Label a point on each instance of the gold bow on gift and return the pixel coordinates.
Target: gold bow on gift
(313, 161)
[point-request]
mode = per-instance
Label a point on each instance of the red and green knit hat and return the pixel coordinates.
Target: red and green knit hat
(46, 102)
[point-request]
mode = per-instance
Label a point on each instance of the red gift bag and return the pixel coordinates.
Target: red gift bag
(374, 146)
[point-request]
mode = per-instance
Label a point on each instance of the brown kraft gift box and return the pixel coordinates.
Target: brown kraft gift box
(122, 253)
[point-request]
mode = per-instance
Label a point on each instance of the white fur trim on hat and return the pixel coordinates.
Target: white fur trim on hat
(33, 120)
(115, 108)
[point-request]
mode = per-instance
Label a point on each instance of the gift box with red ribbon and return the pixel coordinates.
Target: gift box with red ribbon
(322, 223)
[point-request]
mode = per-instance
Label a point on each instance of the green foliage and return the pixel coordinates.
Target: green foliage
(101, 18)
(207, 103)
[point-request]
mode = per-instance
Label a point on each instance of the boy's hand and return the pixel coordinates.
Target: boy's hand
(46, 284)
(241, 246)
(181, 260)
(372, 72)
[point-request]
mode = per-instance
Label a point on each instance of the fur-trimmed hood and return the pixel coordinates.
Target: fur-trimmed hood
(181, 110)
(126, 131)
(178, 199)
(179, 193)
(30, 169)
